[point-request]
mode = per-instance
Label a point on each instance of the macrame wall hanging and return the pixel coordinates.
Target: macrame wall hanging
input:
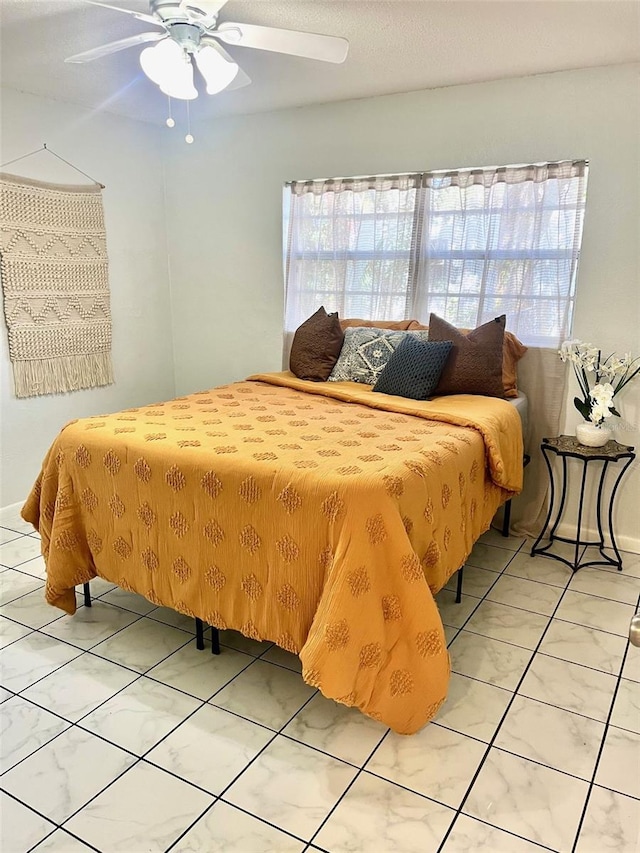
(53, 265)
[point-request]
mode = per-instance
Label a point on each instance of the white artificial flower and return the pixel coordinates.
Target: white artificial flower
(608, 370)
(602, 399)
(598, 414)
(569, 351)
(615, 367)
(602, 393)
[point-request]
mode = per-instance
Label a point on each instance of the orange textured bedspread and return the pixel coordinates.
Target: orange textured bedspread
(321, 517)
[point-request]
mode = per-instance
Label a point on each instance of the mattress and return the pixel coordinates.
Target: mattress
(521, 405)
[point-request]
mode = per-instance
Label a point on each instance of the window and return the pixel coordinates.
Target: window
(467, 245)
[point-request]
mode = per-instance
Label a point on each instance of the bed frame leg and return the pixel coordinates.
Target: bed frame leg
(506, 522)
(459, 587)
(199, 634)
(87, 595)
(215, 641)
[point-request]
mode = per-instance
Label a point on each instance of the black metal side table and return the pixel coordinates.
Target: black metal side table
(568, 447)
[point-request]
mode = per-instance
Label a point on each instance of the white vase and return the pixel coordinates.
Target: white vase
(591, 435)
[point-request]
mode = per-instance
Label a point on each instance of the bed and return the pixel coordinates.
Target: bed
(321, 516)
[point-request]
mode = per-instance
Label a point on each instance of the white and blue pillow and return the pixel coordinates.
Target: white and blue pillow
(366, 352)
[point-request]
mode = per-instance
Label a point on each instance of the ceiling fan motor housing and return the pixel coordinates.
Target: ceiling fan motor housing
(187, 35)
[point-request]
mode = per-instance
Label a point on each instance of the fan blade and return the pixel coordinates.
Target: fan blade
(208, 8)
(114, 47)
(241, 79)
(140, 16)
(308, 45)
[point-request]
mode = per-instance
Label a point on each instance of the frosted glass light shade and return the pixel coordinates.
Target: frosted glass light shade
(217, 71)
(169, 66)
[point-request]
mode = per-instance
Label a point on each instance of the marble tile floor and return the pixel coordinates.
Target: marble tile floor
(118, 735)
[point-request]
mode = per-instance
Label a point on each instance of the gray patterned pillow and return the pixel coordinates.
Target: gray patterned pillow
(365, 353)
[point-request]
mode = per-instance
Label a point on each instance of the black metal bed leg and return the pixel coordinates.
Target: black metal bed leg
(87, 594)
(506, 521)
(215, 641)
(459, 587)
(199, 634)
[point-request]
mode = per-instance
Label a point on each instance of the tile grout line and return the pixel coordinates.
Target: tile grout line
(56, 826)
(534, 699)
(139, 675)
(534, 652)
(359, 773)
(142, 758)
(606, 724)
(219, 797)
(146, 674)
(139, 759)
(482, 599)
(59, 618)
(565, 621)
(498, 727)
(510, 832)
(602, 743)
(76, 723)
(68, 832)
(71, 645)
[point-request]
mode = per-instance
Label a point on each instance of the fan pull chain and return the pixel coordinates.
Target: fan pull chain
(188, 138)
(170, 120)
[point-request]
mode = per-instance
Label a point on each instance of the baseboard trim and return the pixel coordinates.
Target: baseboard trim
(12, 507)
(624, 543)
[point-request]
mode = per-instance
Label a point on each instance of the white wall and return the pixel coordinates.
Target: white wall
(224, 208)
(125, 156)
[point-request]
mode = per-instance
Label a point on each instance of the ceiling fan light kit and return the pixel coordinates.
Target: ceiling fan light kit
(167, 64)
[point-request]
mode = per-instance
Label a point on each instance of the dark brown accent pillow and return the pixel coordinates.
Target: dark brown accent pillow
(316, 346)
(474, 365)
(512, 352)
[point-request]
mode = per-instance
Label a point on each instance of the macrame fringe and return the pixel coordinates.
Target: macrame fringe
(59, 375)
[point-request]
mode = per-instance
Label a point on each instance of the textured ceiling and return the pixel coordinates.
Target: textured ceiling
(395, 47)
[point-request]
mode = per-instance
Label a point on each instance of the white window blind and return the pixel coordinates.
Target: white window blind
(467, 245)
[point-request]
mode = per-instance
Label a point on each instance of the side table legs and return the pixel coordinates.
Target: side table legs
(552, 499)
(579, 542)
(613, 495)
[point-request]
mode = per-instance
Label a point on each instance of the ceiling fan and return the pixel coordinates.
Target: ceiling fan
(189, 29)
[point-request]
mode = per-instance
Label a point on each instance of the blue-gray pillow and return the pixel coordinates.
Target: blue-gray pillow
(414, 368)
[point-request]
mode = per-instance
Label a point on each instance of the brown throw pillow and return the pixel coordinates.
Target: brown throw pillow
(474, 365)
(316, 346)
(512, 352)
(511, 355)
(393, 325)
